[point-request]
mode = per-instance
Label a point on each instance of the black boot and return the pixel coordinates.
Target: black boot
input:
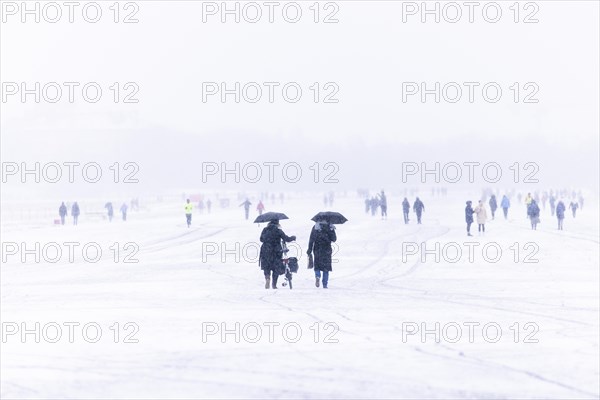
(274, 283)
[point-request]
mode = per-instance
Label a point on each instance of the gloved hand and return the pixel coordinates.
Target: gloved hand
(308, 252)
(293, 238)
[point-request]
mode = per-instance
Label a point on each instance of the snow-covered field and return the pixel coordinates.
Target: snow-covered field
(361, 338)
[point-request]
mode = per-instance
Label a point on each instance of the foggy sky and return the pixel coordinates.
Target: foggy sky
(368, 54)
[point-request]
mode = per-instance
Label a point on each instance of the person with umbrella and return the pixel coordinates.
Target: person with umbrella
(271, 250)
(319, 244)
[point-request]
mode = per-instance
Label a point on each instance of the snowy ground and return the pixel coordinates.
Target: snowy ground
(363, 349)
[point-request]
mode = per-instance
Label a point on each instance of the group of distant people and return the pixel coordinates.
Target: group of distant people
(260, 207)
(418, 208)
(110, 211)
(380, 201)
(374, 203)
(202, 205)
(189, 207)
(480, 213)
(532, 209)
(328, 199)
(76, 211)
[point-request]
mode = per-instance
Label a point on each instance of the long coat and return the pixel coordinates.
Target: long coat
(419, 207)
(469, 214)
(481, 213)
(560, 210)
(493, 203)
(533, 210)
(320, 244)
(271, 251)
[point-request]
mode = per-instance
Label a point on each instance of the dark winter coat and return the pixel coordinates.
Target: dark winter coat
(560, 210)
(406, 206)
(319, 244)
(62, 210)
(246, 205)
(75, 210)
(271, 250)
(469, 214)
(533, 211)
(493, 203)
(419, 207)
(383, 200)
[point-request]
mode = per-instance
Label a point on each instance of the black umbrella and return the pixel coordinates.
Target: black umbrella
(270, 216)
(330, 216)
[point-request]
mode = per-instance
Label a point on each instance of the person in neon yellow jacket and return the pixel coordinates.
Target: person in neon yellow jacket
(528, 201)
(188, 212)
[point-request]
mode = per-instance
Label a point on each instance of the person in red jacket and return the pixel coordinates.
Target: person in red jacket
(260, 207)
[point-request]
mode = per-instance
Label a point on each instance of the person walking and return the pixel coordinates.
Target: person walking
(123, 210)
(418, 208)
(534, 214)
(574, 206)
(246, 205)
(109, 210)
(383, 204)
(188, 207)
(75, 211)
(528, 201)
(319, 244)
(560, 214)
(493, 206)
(271, 252)
(405, 209)
(62, 211)
(505, 204)
(260, 207)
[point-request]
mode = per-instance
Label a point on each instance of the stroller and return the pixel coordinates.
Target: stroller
(290, 265)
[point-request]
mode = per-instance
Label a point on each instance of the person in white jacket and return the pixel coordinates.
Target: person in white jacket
(481, 213)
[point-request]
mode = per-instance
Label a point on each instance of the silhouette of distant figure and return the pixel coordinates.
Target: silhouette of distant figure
(75, 213)
(62, 211)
